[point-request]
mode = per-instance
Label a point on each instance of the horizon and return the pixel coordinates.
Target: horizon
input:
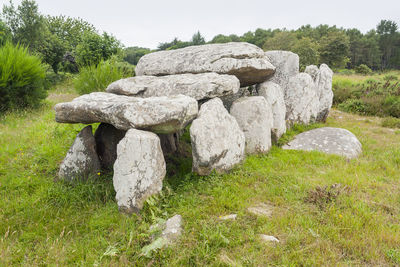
(177, 18)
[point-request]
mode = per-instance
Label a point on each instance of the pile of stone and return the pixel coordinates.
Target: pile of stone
(141, 117)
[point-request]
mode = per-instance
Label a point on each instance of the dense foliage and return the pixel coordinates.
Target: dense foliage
(96, 78)
(22, 78)
(62, 42)
(339, 48)
(373, 96)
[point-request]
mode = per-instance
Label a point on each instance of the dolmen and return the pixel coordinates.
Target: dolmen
(141, 117)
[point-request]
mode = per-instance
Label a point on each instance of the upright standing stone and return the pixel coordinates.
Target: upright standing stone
(217, 140)
(107, 138)
(81, 160)
(325, 92)
(273, 93)
(255, 118)
(286, 64)
(139, 169)
(323, 81)
(246, 61)
(301, 99)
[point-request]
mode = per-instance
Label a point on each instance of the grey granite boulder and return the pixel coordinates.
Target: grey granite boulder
(255, 118)
(156, 114)
(301, 99)
(273, 93)
(322, 77)
(325, 92)
(217, 140)
(199, 86)
(328, 140)
(107, 138)
(286, 64)
(81, 160)
(246, 61)
(139, 169)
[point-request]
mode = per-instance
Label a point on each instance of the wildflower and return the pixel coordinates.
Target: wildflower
(98, 173)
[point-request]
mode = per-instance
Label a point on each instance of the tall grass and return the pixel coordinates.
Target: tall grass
(22, 78)
(96, 78)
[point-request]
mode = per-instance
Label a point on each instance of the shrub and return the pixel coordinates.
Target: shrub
(390, 77)
(97, 78)
(353, 105)
(363, 69)
(22, 78)
(391, 122)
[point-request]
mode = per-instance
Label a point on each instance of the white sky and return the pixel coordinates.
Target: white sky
(147, 22)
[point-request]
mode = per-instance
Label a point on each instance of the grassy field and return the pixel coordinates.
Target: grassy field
(43, 222)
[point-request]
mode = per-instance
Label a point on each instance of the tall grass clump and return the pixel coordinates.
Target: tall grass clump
(22, 78)
(96, 78)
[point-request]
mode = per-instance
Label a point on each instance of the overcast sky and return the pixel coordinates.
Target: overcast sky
(148, 22)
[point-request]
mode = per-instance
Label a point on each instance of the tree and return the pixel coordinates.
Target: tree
(95, 47)
(27, 25)
(281, 41)
(133, 54)
(307, 49)
(52, 50)
(198, 39)
(220, 39)
(5, 33)
(334, 49)
(388, 42)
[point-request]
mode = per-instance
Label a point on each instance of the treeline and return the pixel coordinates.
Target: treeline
(378, 49)
(62, 42)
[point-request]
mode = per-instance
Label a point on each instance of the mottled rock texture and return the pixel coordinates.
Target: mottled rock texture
(273, 93)
(199, 86)
(139, 169)
(286, 64)
(246, 61)
(217, 140)
(255, 118)
(81, 160)
(156, 114)
(328, 140)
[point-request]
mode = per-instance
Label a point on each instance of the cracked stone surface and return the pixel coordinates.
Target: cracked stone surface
(287, 66)
(273, 93)
(81, 160)
(156, 114)
(246, 61)
(301, 99)
(199, 86)
(328, 140)
(255, 118)
(217, 140)
(139, 169)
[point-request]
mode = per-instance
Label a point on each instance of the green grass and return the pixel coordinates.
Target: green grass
(43, 222)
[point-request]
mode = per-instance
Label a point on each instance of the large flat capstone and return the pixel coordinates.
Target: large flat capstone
(139, 169)
(328, 140)
(199, 86)
(246, 61)
(156, 114)
(217, 140)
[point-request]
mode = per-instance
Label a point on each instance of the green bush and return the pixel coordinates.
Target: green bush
(390, 77)
(22, 78)
(363, 69)
(353, 105)
(391, 122)
(97, 78)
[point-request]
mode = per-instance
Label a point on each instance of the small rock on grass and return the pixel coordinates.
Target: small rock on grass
(228, 217)
(261, 209)
(171, 231)
(269, 238)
